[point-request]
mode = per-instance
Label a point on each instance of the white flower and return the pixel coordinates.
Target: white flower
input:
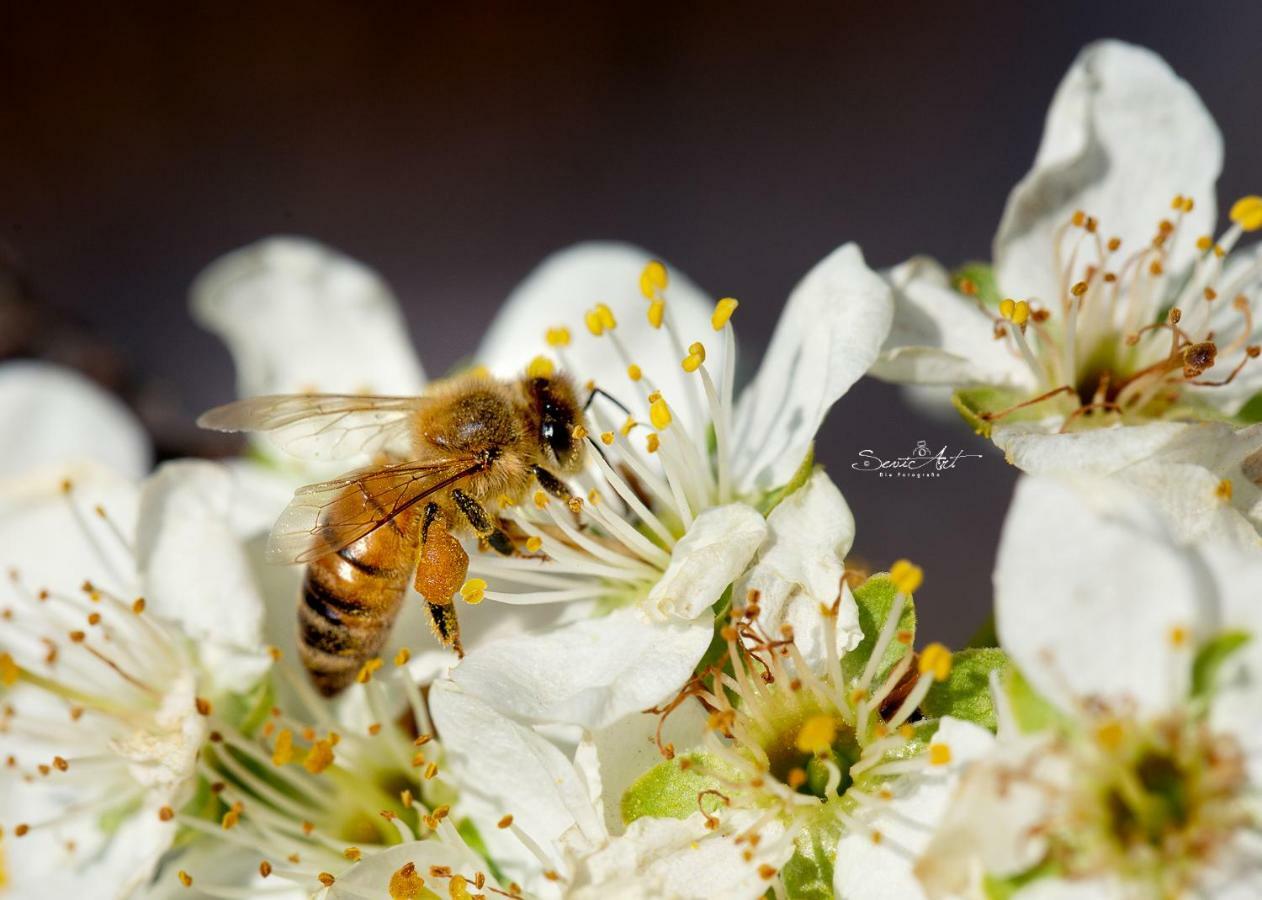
(1130, 757)
(112, 671)
(1114, 317)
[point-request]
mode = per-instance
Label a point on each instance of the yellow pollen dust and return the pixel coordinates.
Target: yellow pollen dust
(653, 279)
(1015, 311)
(319, 757)
(540, 367)
(558, 337)
(816, 735)
(541, 499)
(406, 884)
(939, 754)
(473, 591)
(907, 576)
(659, 414)
(723, 312)
(935, 659)
(283, 754)
(1247, 212)
(695, 357)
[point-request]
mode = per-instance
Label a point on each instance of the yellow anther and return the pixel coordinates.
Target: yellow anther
(657, 312)
(659, 414)
(634, 373)
(653, 442)
(1006, 307)
(797, 778)
(558, 337)
(907, 576)
(1247, 212)
(9, 670)
(1224, 490)
(723, 312)
(939, 754)
(1219, 251)
(319, 757)
(1178, 636)
(540, 367)
(1079, 289)
(407, 884)
(935, 659)
(607, 321)
(606, 438)
(1177, 202)
(367, 669)
(1079, 218)
(628, 426)
(695, 357)
(1110, 735)
(653, 279)
(283, 754)
(354, 854)
(534, 543)
(230, 819)
(185, 878)
(541, 499)
(592, 320)
(473, 591)
(1204, 242)
(816, 735)
(1020, 313)
(403, 657)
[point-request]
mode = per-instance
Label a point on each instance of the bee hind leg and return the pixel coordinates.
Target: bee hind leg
(481, 523)
(440, 575)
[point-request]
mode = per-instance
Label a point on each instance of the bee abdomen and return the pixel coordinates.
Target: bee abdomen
(350, 600)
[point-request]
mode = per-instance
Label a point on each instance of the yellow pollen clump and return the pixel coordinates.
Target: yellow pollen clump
(935, 659)
(319, 757)
(367, 669)
(723, 312)
(1247, 212)
(656, 313)
(634, 372)
(606, 438)
(326, 879)
(939, 754)
(9, 670)
(540, 367)
(653, 279)
(473, 591)
(230, 819)
(652, 443)
(534, 543)
(816, 735)
(1224, 490)
(402, 657)
(558, 337)
(406, 884)
(659, 414)
(541, 499)
(354, 854)
(907, 576)
(185, 878)
(458, 888)
(1178, 636)
(283, 754)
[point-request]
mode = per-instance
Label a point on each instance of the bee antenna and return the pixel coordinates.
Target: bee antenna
(608, 396)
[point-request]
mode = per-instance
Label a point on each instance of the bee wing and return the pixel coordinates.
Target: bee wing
(322, 426)
(324, 518)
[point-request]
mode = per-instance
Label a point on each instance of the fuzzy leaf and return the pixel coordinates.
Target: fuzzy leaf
(801, 475)
(965, 694)
(875, 599)
(982, 275)
(808, 875)
(1210, 658)
(1033, 712)
(669, 791)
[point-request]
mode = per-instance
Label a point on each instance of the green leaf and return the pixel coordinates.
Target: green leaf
(808, 875)
(982, 275)
(965, 694)
(670, 791)
(772, 499)
(875, 599)
(1251, 412)
(1210, 658)
(1033, 712)
(985, 635)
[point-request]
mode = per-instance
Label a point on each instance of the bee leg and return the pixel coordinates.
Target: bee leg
(440, 574)
(553, 485)
(483, 527)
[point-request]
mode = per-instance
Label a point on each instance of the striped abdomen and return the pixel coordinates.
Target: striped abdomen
(351, 598)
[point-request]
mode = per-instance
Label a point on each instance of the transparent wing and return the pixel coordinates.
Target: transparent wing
(322, 426)
(323, 518)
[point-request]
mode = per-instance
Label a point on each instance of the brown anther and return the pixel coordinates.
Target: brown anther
(1079, 289)
(505, 822)
(138, 605)
(1155, 267)
(1092, 224)
(94, 619)
(166, 814)
(1199, 357)
(374, 729)
(1040, 315)
(22, 829)
(60, 764)
(1079, 218)
(185, 878)
(326, 879)
(77, 637)
(203, 706)
(1113, 244)
(354, 854)
(968, 287)
(265, 868)
(216, 737)
(1252, 351)
(1210, 294)
(767, 871)
(308, 827)
(218, 787)
(422, 740)
(1174, 316)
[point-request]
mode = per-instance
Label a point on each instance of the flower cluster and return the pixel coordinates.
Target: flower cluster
(678, 681)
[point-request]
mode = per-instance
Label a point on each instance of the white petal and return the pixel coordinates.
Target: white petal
(941, 337)
(1089, 585)
(298, 316)
(52, 416)
(572, 281)
(195, 570)
(718, 546)
(830, 333)
(800, 566)
(371, 877)
(679, 859)
(1123, 136)
(867, 870)
(510, 765)
(589, 673)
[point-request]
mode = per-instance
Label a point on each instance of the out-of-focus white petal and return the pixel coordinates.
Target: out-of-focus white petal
(1089, 585)
(830, 333)
(1123, 136)
(941, 337)
(572, 281)
(800, 565)
(195, 570)
(298, 316)
(590, 673)
(718, 546)
(868, 870)
(51, 416)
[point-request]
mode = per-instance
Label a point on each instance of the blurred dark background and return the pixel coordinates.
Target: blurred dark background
(453, 147)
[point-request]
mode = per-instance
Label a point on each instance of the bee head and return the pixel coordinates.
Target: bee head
(556, 410)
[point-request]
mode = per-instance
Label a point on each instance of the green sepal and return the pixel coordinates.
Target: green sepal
(986, 634)
(875, 599)
(982, 274)
(1210, 658)
(718, 646)
(772, 499)
(1031, 709)
(975, 403)
(669, 790)
(965, 694)
(997, 888)
(1251, 412)
(469, 832)
(808, 875)
(248, 711)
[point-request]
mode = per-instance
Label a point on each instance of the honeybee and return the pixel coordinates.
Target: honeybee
(447, 461)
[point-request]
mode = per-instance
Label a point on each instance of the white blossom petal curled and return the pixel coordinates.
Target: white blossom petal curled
(829, 335)
(299, 317)
(1124, 134)
(589, 673)
(709, 557)
(51, 416)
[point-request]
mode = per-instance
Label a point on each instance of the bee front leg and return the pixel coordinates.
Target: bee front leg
(553, 485)
(439, 575)
(481, 522)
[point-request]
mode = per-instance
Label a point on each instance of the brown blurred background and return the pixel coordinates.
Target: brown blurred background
(453, 147)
